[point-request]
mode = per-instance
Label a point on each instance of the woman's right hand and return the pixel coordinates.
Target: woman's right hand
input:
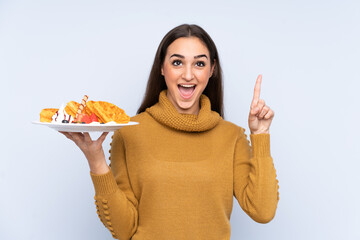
(92, 150)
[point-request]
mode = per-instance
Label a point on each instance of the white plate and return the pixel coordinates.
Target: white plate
(74, 127)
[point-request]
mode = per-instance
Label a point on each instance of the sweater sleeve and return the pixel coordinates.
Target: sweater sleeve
(114, 199)
(255, 183)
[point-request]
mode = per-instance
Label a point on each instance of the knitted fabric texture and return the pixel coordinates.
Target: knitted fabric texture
(165, 113)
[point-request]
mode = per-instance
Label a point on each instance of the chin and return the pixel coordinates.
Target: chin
(185, 105)
(188, 105)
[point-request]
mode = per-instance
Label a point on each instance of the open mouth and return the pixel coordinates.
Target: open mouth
(186, 90)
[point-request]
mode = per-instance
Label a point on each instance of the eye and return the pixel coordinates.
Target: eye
(200, 64)
(176, 63)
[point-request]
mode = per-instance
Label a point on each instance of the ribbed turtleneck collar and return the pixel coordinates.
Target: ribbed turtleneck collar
(165, 113)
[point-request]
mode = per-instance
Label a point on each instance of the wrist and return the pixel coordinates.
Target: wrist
(100, 168)
(260, 132)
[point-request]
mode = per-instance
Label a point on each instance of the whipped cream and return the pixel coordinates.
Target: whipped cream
(61, 115)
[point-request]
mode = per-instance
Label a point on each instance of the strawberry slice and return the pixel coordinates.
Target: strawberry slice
(85, 118)
(93, 118)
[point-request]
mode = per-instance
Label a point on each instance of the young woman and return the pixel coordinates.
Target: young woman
(174, 175)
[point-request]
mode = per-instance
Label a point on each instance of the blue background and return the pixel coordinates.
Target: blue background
(52, 52)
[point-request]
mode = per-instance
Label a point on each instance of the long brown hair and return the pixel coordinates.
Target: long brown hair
(156, 82)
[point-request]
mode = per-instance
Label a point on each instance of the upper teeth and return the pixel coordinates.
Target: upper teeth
(188, 86)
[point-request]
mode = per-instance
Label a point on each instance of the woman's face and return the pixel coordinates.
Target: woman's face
(186, 69)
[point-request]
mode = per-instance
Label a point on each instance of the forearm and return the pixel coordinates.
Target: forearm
(258, 193)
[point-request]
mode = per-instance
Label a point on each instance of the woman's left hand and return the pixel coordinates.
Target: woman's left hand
(260, 115)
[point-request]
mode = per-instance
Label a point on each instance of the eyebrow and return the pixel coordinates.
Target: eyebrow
(181, 56)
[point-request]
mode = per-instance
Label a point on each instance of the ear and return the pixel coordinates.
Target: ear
(162, 69)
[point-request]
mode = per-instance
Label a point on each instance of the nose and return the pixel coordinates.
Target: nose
(188, 74)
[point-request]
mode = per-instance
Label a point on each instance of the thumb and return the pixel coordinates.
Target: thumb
(102, 137)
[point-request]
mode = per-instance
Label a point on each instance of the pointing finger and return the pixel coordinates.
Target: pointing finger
(257, 90)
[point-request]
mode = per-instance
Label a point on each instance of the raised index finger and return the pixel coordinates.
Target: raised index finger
(257, 88)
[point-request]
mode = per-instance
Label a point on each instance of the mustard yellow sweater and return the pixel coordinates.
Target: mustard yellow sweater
(173, 176)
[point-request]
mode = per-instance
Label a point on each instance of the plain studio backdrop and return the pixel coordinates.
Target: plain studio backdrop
(52, 52)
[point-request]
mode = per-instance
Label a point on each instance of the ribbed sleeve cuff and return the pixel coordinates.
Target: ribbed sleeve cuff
(260, 144)
(104, 183)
